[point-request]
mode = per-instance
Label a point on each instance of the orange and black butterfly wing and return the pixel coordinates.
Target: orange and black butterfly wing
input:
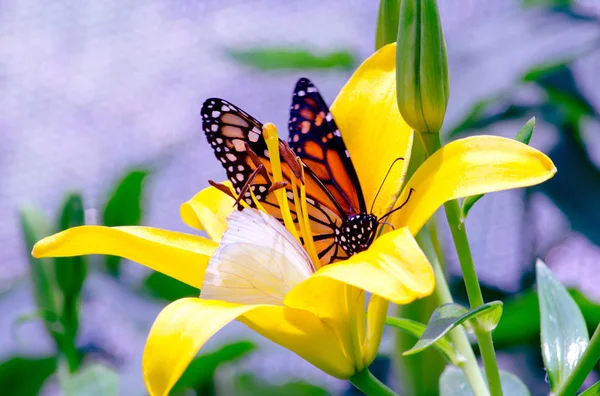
(315, 138)
(331, 180)
(230, 131)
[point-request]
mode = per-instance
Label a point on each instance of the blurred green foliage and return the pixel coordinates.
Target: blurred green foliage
(293, 58)
(199, 376)
(162, 286)
(124, 208)
(454, 383)
(91, 380)
(25, 376)
(250, 385)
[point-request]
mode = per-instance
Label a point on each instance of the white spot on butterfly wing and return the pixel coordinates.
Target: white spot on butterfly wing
(215, 113)
(257, 262)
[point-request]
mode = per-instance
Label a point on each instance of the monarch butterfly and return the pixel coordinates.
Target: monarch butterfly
(339, 220)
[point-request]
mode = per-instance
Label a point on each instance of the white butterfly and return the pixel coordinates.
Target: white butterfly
(257, 262)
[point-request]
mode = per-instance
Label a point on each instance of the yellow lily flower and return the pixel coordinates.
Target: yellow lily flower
(318, 315)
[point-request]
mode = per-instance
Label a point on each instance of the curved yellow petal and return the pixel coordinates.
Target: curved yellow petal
(208, 211)
(303, 333)
(394, 268)
(470, 166)
(176, 336)
(366, 112)
(184, 326)
(376, 315)
(180, 256)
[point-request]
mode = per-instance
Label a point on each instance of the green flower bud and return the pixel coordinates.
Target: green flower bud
(387, 22)
(421, 66)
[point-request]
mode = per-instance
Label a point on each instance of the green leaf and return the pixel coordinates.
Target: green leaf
(199, 374)
(520, 323)
(124, 207)
(448, 316)
(417, 329)
(248, 385)
(276, 58)
(70, 272)
(92, 380)
(563, 331)
(387, 23)
(25, 376)
(524, 136)
(546, 3)
(593, 390)
(165, 287)
(454, 383)
(35, 227)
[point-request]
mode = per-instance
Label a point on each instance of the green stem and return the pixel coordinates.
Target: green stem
(484, 338)
(459, 235)
(458, 336)
(369, 385)
(583, 368)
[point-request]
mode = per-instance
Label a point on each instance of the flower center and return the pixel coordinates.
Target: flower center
(259, 260)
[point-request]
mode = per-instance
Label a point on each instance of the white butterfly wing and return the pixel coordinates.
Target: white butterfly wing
(258, 261)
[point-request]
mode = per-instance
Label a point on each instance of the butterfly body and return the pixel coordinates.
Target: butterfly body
(339, 220)
(356, 233)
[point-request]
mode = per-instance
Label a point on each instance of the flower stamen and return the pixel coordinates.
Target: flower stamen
(229, 192)
(272, 140)
(302, 214)
(309, 242)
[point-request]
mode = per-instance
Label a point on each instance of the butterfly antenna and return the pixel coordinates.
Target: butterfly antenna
(399, 207)
(383, 182)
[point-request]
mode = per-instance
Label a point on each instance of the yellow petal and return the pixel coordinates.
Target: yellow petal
(208, 211)
(470, 166)
(394, 268)
(367, 115)
(181, 256)
(184, 326)
(176, 336)
(376, 315)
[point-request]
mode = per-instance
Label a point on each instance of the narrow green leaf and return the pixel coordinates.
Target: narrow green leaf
(35, 227)
(564, 334)
(454, 383)
(448, 316)
(524, 136)
(593, 390)
(417, 329)
(92, 380)
(276, 58)
(387, 23)
(165, 287)
(124, 207)
(25, 376)
(199, 374)
(70, 272)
